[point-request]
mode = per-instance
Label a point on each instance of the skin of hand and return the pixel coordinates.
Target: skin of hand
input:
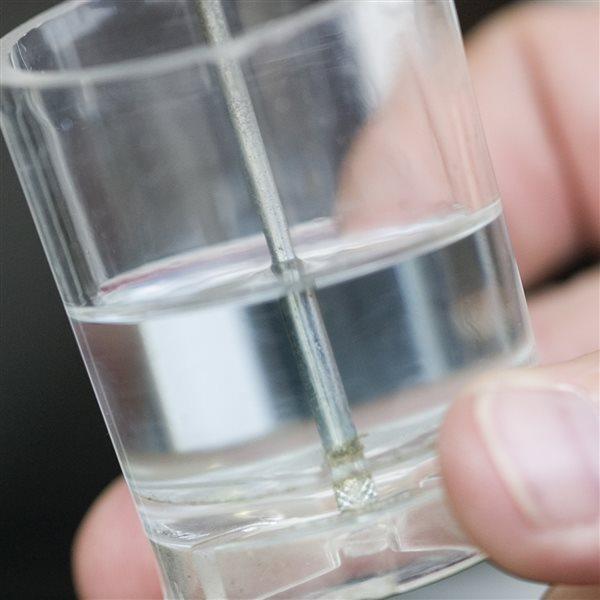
(519, 450)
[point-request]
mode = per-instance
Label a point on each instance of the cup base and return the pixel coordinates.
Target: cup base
(400, 543)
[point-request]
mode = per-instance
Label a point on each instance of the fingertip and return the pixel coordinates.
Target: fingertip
(491, 515)
(112, 557)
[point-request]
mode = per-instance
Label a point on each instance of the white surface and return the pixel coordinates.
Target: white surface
(481, 582)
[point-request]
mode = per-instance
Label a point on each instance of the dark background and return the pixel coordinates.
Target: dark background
(55, 454)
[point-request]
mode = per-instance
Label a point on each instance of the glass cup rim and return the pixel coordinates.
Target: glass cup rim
(277, 29)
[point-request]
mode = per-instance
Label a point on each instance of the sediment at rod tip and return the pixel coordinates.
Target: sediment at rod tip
(353, 485)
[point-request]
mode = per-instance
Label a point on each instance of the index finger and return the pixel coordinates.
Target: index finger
(536, 76)
(538, 97)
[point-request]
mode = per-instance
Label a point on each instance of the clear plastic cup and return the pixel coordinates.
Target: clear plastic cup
(276, 232)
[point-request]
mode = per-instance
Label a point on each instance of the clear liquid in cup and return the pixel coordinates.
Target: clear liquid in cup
(193, 362)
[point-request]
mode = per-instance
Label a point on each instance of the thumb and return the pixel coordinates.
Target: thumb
(519, 455)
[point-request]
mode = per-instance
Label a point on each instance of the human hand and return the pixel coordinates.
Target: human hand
(528, 493)
(520, 450)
